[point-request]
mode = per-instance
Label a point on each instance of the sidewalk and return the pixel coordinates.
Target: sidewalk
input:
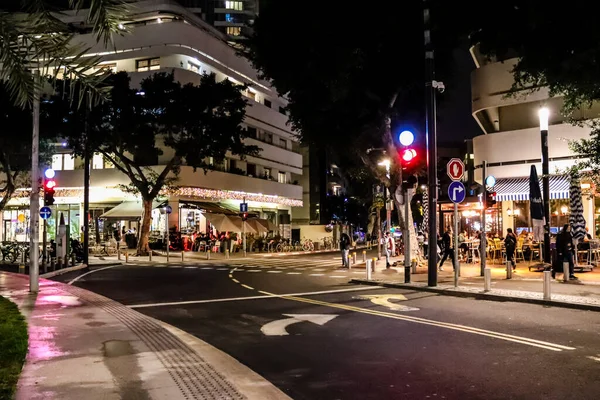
(524, 286)
(85, 346)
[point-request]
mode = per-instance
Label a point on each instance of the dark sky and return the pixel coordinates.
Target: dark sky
(455, 122)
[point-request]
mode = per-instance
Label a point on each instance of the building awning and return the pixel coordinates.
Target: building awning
(128, 210)
(214, 208)
(518, 188)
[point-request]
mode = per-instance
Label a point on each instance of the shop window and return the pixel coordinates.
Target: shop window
(150, 64)
(282, 177)
(234, 30)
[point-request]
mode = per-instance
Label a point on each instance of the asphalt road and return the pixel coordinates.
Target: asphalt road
(328, 340)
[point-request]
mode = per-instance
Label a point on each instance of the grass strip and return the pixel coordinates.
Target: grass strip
(13, 347)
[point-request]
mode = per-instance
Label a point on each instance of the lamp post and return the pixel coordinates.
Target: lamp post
(544, 114)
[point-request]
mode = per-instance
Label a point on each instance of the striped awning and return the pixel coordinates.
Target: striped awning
(518, 188)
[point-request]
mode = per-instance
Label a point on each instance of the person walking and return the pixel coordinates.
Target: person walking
(565, 251)
(389, 248)
(448, 242)
(510, 243)
(345, 249)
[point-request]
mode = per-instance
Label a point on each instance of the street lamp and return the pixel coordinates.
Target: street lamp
(544, 113)
(385, 163)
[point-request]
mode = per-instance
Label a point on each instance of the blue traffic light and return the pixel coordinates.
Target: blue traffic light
(49, 173)
(406, 138)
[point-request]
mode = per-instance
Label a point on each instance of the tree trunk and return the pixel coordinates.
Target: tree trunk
(143, 248)
(408, 220)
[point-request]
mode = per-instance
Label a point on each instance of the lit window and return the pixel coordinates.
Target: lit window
(234, 30)
(68, 162)
(106, 68)
(97, 161)
(57, 162)
(234, 5)
(193, 67)
(151, 64)
(281, 177)
(267, 172)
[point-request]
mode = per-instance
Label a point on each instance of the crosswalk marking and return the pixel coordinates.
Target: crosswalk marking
(294, 273)
(274, 272)
(316, 274)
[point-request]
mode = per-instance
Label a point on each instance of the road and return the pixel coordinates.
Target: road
(297, 322)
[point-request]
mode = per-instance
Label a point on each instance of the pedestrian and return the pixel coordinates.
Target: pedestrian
(565, 251)
(389, 248)
(510, 243)
(448, 242)
(345, 249)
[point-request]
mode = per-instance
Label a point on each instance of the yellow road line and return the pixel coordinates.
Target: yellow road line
(424, 321)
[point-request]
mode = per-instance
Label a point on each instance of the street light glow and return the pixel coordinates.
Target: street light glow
(384, 163)
(544, 113)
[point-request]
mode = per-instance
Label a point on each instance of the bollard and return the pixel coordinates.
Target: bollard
(487, 277)
(73, 261)
(406, 274)
(227, 254)
(414, 265)
(182, 256)
(118, 254)
(547, 280)
(364, 256)
(126, 256)
(150, 256)
(52, 265)
(374, 264)
(368, 269)
(59, 262)
(508, 269)
(208, 255)
(354, 258)
(21, 269)
(566, 271)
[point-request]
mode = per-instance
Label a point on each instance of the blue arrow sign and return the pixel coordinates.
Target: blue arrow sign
(168, 209)
(45, 212)
(243, 207)
(457, 192)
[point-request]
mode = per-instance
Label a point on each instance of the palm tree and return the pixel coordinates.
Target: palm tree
(35, 44)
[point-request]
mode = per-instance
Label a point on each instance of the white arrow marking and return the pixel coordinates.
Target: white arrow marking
(277, 328)
(384, 300)
(459, 189)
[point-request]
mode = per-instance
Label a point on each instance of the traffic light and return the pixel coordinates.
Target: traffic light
(244, 216)
(407, 154)
(490, 198)
(49, 185)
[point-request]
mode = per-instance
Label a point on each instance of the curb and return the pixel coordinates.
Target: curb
(75, 268)
(480, 295)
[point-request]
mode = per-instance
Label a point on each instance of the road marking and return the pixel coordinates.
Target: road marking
(384, 300)
(274, 272)
(462, 328)
(235, 280)
(222, 269)
(266, 295)
(205, 267)
(254, 270)
(277, 328)
(294, 273)
(337, 276)
(230, 275)
(594, 358)
(248, 287)
(316, 274)
(319, 269)
(91, 272)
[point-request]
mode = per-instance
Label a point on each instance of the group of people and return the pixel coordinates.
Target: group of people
(346, 244)
(565, 249)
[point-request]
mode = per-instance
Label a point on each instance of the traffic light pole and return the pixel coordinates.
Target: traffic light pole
(430, 127)
(86, 200)
(34, 199)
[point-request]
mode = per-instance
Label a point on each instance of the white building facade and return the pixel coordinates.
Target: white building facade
(510, 143)
(165, 37)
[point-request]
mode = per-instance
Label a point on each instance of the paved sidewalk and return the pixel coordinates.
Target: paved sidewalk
(524, 286)
(85, 346)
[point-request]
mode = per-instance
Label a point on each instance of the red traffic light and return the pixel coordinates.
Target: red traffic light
(50, 184)
(408, 155)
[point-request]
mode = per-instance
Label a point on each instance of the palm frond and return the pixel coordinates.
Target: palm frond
(104, 15)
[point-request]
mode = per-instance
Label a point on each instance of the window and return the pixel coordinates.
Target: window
(267, 172)
(193, 67)
(282, 110)
(151, 64)
(234, 30)
(268, 103)
(234, 5)
(251, 168)
(281, 177)
(97, 161)
(63, 162)
(249, 94)
(283, 143)
(106, 68)
(252, 132)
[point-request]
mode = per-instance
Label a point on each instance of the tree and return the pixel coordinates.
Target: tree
(33, 38)
(350, 84)
(133, 129)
